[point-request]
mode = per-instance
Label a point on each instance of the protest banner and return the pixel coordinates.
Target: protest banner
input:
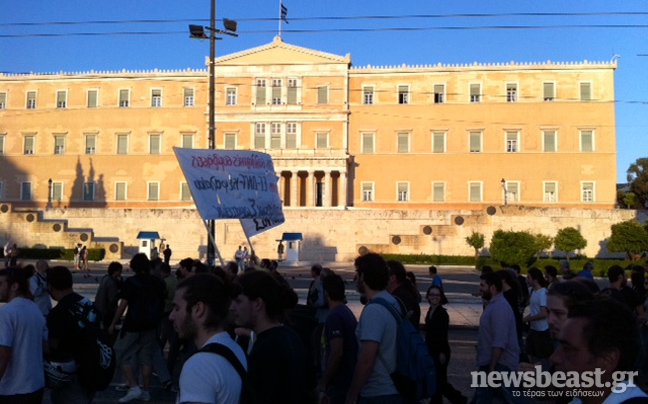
(233, 184)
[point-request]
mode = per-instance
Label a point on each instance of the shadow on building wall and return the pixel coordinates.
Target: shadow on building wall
(87, 190)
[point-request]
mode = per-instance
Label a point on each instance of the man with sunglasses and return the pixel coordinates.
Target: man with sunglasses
(22, 334)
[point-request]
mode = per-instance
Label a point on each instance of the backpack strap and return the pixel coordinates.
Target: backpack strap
(225, 352)
(398, 316)
(395, 314)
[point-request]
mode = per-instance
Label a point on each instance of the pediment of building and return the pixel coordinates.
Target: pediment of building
(279, 52)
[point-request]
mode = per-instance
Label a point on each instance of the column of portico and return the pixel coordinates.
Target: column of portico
(281, 186)
(328, 188)
(293, 189)
(310, 188)
(342, 192)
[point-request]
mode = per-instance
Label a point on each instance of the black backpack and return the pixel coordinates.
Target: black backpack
(96, 361)
(247, 394)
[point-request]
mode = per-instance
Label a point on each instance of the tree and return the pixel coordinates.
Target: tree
(629, 237)
(569, 239)
(543, 243)
(476, 241)
(638, 179)
(510, 247)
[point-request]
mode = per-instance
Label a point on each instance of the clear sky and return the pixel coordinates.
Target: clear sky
(416, 32)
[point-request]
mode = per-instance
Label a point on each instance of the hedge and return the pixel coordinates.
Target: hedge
(65, 254)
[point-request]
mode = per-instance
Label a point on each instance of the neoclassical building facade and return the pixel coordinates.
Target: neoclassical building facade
(434, 137)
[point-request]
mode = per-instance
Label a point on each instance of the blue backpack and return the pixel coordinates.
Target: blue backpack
(415, 375)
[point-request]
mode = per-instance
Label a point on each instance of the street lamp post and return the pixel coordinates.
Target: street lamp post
(198, 32)
(505, 192)
(49, 194)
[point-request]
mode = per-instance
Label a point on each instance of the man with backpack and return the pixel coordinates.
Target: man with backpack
(73, 326)
(143, 295)
(376, 333)
(216, 373)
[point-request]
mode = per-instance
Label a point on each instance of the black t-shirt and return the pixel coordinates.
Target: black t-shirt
(276, 367)
(145, 295)
(64, 328)
(411, 302)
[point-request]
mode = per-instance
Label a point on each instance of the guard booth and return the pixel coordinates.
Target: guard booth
(147, 241)
(292, 241)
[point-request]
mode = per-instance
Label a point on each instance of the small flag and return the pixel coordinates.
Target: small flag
(284, 13)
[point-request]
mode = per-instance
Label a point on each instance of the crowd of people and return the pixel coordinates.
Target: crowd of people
(238, 333)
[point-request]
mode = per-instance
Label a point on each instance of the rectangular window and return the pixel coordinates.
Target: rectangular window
(2, 144)
(3, 100)
(512, 191)
(185, 193)
(550, 191)
(292, 92)
(403, 191)
(156, 97)
(403, 143)
(549, 141)
(57, 191)
(585, 91)
(367, 143)
(276, 91)
(438, 192)
(124, 98)
(59, 144)
(188, 97)
(511, 92)
(548, 91)
(259, 136)
(587, 140)
(187, 141)
(61, 99)
(121, 191)
(403, 94)
(26, 191)
(230, 98)
(587, 191)
(275, 135)
(31, 100)
(438, 142)
(90, 144)
(439, 93)
(153, 193)
(88, 191)
(260, 92)
(512, 141)
(29, 144)
(155, 143)
(93, 98)
(122, 144)
(475, 142)
(367, 191)
(322, 95)
(291, 135)
(475, 92)
(475, 191)
(321, 140)
(368, 95)
(230, 141)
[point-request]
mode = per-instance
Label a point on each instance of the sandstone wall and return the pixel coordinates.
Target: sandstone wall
(329, 234)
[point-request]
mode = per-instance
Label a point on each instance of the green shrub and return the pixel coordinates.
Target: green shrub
(94, 254)
(513, 247)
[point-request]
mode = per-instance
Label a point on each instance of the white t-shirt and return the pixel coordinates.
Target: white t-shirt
(538, 300)
(23, 329)
(209, 378)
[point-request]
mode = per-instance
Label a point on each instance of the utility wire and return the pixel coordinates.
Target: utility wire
(340, 30)
(335, 18)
